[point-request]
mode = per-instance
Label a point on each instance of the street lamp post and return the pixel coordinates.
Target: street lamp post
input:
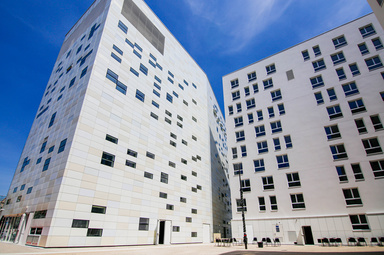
(242, 213)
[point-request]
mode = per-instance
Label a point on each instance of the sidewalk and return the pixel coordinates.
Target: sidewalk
(184, 249)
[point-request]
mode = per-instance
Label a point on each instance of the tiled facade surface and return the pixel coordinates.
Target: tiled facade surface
(312, 126)
(128, 145)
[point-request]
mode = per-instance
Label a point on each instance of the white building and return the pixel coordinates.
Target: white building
(305, 129)
(128, 145)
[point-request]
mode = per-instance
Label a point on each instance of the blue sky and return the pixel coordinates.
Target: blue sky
(221, 35)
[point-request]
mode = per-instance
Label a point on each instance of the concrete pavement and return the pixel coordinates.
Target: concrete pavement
(186, 249)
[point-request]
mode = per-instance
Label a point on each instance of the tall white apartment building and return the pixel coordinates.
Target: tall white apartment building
(305, 133)
(128, 145)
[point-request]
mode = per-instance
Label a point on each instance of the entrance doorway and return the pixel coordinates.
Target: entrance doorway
(308, 237)
(161, 231)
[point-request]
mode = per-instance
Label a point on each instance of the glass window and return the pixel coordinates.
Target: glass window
(140, 95)
(252, 76)
(238, 121)
(270, 69)
(339, 42)
(250, 103)
(332, 94)
(363, 48)
(107, 159)
(356, 106)
(338, 58)
(281, 109)
(305, 55)
(246, 91)
(316, 50)
(123, 27)
(354, 69)
(276, 142)
(352, 196)
(276, 95)
(341, 74)
(259, 165)
(46, 164)
(246, 185)
(238, 168)
(317, 81)
(143, 69)
(334, 112)
(372, 146)
(271, 112)
(288, 141)
(377, 168)
(376, 122)
(373, 63)
(268, 183)
(234, 83)
(260, 130)
(360, 126)
(235, 95)
(250, 118)
(273, 201)
(319, 98)
(293, 180)
(338, 152)
(259, 115)
(367, 31)
(318, 65)
(359, 222)
(262, 147)
(332, 132)
(276, 127)
(282, 161)
(240, 136)
(144, 224)
(261, 204)
(350, 89)
(241, 205)
(377, 43)
(297, 201)
(255, 88)
(357, 172)
(268, 83)
(80, 223)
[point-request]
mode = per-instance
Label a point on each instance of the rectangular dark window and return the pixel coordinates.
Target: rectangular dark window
(111, 139)
(52, 120)
(377, 168)
(123, 27)
(164, 177)
(338, 152)
(359, 222)
(140, 95)
(367, 31)
(94, 232)
(40, 214)
(98, 209)
(80, 223)
(130, 163)
(143, 69)
(144, 224)
(46, 164)
(107, 159)
(132, 153)
(148, 175)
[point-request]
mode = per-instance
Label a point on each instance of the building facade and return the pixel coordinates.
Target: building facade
(128, 145)
(378, 8)
(305, 133)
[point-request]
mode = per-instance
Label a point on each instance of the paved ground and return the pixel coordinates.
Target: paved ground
(187, 249)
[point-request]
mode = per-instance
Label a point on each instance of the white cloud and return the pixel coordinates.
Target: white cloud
(241, 21)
